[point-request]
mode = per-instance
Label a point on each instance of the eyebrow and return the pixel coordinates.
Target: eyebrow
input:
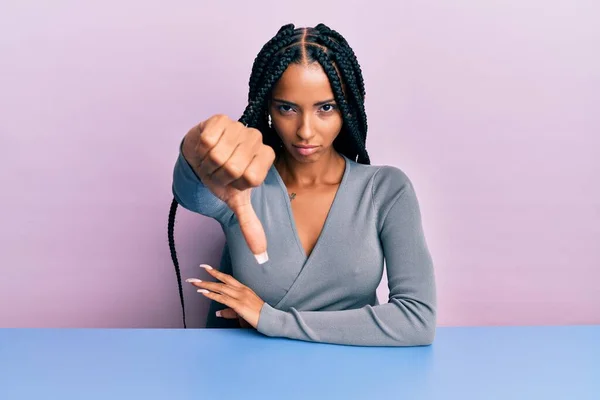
(320, 103)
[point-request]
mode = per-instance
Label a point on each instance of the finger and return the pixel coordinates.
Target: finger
(240, 160)
(257, 170)
(227, 313)
(253, 231)
(218, 287)
(214, 287)
(220, 153)
(250, 225)
(209, 133)
(228, 279)
(219, 298)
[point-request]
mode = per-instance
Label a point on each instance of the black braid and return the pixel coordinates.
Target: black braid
(281, 39)
(273, 74)
(333, 53)
(349, 76)
(351, 71)
(336, 85)
(328, 32)
(253, 115)
(172, 212)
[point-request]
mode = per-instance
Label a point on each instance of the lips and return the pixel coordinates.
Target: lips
(305, 147)
(305, 151)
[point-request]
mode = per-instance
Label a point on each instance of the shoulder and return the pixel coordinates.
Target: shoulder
(389, 180)
(386, 182)
(390, 183)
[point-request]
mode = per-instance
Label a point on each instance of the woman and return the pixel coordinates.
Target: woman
(308, 221)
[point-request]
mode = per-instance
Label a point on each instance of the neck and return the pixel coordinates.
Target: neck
(324, 171)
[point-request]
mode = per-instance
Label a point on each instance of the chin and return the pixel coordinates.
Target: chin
(307, 160)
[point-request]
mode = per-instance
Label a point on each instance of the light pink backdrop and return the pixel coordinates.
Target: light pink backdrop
(490, 107)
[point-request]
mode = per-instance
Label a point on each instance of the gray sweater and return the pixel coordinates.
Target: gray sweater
(330, 296)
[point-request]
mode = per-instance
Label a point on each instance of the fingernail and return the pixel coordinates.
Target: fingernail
(193, 280)
(262, 258)
(205, 266)
(218, 314)
(202, 291)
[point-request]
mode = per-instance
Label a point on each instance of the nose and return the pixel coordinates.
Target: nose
(306, 130)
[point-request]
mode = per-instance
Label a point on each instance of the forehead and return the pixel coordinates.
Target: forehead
(303, 83)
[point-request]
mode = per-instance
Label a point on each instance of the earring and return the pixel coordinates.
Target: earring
(269, 121)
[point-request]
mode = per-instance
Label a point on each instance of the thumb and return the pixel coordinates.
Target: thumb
(227, 313)
(253, 231)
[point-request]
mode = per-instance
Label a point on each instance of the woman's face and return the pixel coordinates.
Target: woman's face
(304, 112)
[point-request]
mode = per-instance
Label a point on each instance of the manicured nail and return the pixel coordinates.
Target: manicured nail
(218, 314)
(262, 258)
(205, 266)
(193, 280)
(202, 291)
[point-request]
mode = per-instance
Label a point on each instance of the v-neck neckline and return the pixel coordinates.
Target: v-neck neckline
(328, 218)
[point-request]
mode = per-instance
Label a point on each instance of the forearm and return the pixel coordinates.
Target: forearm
(192, 194)
(401, 322)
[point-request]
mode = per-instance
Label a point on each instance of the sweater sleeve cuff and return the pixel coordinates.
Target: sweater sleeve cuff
(185, 168)
(272, 321)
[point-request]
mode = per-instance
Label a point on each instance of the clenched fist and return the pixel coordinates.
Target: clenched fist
(230, 159)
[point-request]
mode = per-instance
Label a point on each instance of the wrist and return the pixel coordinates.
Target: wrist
(271, 321)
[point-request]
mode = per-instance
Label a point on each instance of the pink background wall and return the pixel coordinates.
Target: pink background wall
(490, 107)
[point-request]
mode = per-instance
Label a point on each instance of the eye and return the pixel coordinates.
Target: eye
(327, 108)
(284, 108)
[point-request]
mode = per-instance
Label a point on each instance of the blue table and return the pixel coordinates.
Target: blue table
(463, 363)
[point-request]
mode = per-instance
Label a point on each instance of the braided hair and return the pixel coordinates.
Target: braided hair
(301, 46)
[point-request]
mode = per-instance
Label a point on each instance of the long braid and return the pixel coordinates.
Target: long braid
(261, 71)
(351, 71)
(281, 39)
(336, 85)
(355, 66)
(276, 67)
(255, 114)
(348, 75)
(275, 71)
(171, 225)
(332, 52)
(325, 30)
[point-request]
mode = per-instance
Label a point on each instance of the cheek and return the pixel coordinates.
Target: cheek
(284, 126)
(331, 126)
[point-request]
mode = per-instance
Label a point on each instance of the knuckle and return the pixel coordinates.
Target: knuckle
(217, 156)
(207, 139)
(220, 116)
(252, 178)
(195, 129)
(255, 134)
(234, 170)
(270, 153)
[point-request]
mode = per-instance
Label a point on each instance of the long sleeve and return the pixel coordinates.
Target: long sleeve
(409, 317)
(192, 194)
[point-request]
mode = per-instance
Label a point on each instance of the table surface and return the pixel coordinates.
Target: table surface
(553, 362)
